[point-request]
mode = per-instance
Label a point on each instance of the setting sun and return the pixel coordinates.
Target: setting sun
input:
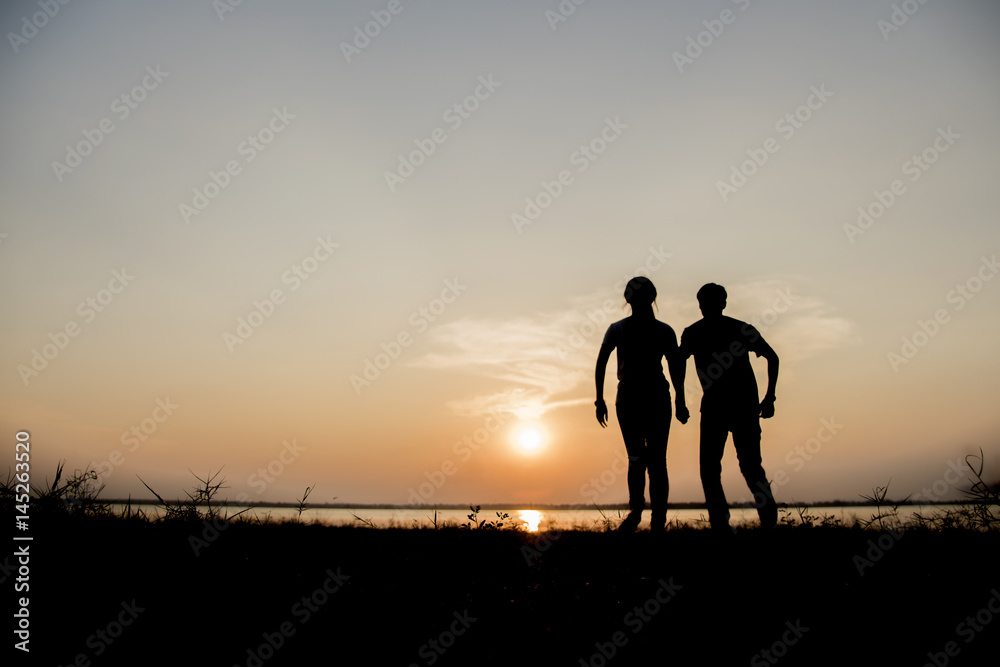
(529, 439)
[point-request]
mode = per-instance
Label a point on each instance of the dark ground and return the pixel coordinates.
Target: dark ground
(721, 602)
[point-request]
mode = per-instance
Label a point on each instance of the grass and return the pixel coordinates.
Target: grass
(552, 597)
(78, 496)
(577, 590)
(199, 503)
(301, 506)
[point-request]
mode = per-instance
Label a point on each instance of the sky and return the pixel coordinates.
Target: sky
(373, 247)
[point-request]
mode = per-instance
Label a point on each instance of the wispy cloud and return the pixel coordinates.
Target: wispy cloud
(546, 360)
(522, 353)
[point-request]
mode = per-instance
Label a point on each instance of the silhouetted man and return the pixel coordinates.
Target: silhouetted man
(721, 346)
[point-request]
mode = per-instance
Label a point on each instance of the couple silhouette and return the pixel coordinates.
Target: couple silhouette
(720, 346)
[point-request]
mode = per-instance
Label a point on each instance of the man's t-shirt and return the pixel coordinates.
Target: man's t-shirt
(642, 344)
(721, 346)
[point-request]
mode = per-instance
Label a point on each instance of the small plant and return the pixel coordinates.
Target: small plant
(983, 499)
(806, 519)
(301, 507)
(486, 524)
(978, 512)
(785, 518)
(266, 520)
(129, 513)
(190, 509)
(367, 522)
(77, 495)
(605, 523)
(473, 516)
(501, 518)
(885, 517)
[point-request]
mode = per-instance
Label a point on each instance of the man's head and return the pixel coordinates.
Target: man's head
(712, 299)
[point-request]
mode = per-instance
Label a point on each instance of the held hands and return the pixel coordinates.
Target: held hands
(682, 413)
(602, 412)
(767, 407)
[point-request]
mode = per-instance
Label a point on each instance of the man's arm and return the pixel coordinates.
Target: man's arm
(767, 404)
(602, 363)
(677, 363)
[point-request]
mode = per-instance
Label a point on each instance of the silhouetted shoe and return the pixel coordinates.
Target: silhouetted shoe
(630, 523)
(658, 524)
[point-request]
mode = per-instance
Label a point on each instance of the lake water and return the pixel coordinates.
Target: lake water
(531, 519)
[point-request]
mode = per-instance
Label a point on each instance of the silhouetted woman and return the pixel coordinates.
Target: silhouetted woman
(643, 399)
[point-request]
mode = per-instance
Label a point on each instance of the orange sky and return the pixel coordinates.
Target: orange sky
(208, 285)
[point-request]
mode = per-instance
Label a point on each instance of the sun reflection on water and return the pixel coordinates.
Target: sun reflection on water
(531, 518)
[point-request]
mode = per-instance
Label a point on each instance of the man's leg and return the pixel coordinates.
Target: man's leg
(713, 443)
(746, 438)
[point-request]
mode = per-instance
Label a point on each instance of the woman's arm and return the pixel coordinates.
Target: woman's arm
(602, 364)
(677, 363)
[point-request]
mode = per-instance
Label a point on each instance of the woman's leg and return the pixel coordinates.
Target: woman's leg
(629, 418)
(656, 464)
(657, 415)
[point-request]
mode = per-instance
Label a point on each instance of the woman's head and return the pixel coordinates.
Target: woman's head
(640, 292)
